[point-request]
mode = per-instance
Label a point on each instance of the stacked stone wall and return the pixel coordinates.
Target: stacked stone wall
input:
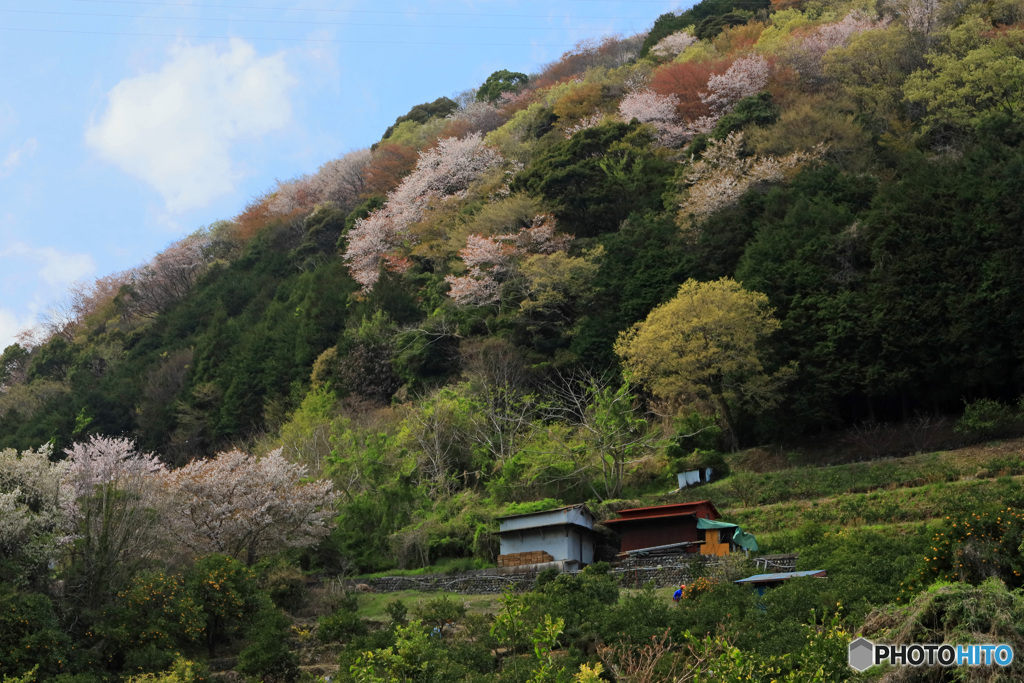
(663, 573)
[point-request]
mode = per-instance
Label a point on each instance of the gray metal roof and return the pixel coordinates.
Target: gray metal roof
(576, 515)
(781, 576)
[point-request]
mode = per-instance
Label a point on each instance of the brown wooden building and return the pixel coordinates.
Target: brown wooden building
(664, 525)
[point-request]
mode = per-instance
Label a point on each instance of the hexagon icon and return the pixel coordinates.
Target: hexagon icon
(862, 654)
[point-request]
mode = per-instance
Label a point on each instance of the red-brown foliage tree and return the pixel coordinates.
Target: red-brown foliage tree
(390, 163)
(254, 217)
(687, 81)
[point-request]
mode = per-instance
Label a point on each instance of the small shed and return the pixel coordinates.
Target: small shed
(722, 538)
(564, 535)
(763, 582)
(663, 526)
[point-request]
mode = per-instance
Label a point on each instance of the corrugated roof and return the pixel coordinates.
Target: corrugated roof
(546, 512)
(672, 510)
(674, 515)
(782, 576)
(669, 506)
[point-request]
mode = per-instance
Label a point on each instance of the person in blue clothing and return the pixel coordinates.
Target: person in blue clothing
(679, 592)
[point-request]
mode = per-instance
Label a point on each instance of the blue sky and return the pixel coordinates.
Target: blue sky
(126, 124)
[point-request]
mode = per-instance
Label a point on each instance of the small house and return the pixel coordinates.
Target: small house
(678, 528)
(663, 525)
(564, 536)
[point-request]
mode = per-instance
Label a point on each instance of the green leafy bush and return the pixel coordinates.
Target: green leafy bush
(284, 583)
(31, 637)
(341, 625)
(977, 546)
(267, 655)
(985, 417)
(227, 595)
(150, 622)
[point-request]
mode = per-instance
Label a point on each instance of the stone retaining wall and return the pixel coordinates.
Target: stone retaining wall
(632, 572)
(493, 581)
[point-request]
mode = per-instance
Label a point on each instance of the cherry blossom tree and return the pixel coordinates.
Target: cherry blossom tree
(806, 54)
(672, 45)
(723, 174)
(475, 117)
(487, 259)
(343, 181)
(542, 237)
(115, 505)
(747, 76)
(298, 195)
(168, 277)
(647, 106)
(65, 317)
(583, 124)
(491, 260)
(442, 171)
(240, 505)
(921, 16)
(108, 461)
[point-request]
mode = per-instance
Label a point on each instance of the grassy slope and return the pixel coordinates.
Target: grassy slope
(894, 493)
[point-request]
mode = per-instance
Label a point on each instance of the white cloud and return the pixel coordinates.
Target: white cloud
(14, 157)
(11, 325)
(56, 268)
(175, 128)
(34, 276)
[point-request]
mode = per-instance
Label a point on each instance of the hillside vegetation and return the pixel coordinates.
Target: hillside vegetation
(780, 239)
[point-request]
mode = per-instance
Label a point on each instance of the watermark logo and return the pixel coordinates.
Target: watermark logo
(864, 654)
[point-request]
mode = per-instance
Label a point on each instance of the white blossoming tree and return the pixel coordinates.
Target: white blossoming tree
(747, 76)
(723, 174)
(491, 260)
(442, 171)
(33, 507)
(806, 55)
(115, 506)
(647, 106)
(243, 506)
(673, 44)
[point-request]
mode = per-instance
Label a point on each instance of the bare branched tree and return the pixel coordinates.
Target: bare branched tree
(615, 435)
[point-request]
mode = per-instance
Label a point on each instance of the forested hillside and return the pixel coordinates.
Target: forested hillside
(757, 225)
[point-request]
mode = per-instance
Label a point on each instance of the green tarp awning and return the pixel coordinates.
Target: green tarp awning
(740, 537)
